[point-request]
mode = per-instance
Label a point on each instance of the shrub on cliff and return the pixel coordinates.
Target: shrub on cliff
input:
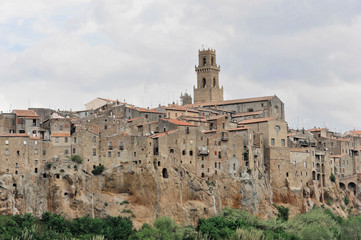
(283, 213)
(98, 170)
(76, 158)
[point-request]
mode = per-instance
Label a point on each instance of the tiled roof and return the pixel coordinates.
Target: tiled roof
(256, 120)
(163, 134)
(14, 135)
(26, 113)
(357, 132)
(247, 114)
(132, 119)
(235, 101)
(60, 134)
(237, 129)
(180, 108)
(316, 129)
(179, 123)
(216, 117)
(145, 110)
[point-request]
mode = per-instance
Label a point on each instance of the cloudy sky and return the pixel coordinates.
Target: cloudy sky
(63, 54)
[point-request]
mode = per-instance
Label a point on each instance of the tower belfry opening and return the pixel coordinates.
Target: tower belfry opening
(207, 89)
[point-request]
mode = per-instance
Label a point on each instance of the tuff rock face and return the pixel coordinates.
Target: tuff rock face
(144, 194)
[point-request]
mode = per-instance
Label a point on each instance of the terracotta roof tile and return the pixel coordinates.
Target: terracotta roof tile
(179, 123)
(247, 114)
(163, 134)
(237, 129)
(316, 129)
(14, 135)
(26, 113)
(145, 110)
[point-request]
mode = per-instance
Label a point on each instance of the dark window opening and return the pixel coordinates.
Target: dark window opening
(158, 163)
(191, 153)
(214, 82)
(204, 82)
(36, 170)
(44, 175)
(165, 173)
(202, 175)
(184, 152)
(204, 61)
(57, 175)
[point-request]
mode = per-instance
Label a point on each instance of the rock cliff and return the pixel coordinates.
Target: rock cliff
(145, 193)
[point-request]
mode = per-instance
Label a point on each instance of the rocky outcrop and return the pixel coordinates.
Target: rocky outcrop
(145, 193)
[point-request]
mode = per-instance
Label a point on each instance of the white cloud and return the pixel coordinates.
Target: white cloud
(65, 53)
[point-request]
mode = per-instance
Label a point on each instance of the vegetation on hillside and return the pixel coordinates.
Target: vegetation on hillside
(230, 224)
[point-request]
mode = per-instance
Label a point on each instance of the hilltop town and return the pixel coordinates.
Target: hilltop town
(186, 161)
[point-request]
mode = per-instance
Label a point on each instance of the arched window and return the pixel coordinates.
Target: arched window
(204, 82)
(204, 61)
(212, 61)
(214, 82)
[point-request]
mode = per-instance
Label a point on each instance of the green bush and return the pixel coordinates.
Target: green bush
(332, 178)
(98, 170)
(76, 158)
(283, 213)
(346, 200)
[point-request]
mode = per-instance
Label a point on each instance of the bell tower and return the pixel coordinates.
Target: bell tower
(208, 89)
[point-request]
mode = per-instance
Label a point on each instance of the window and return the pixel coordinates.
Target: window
(74, 150)
(94, 152)
(35, 151)
(305, 164)
(202, 166)
(219, 165)
(204, 61)
(283, 142)
(56, 139)
(109, 154)
(219, 154)
(191, 153)
(16, 165)
(24, 142)
(187, 130)
(212, 61)
(204, 82)
(184, 152)
(7, 142)
(135, 154)
(118, 154)
(215, 164)
(272, 141)
(294, 163)
(66, 152)
(66, 139)
(36, 162)
(214, 82)
(61, 127)
(94, 138)
(234, 166)
(44, 152)
(279, 166)
(74, 139)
